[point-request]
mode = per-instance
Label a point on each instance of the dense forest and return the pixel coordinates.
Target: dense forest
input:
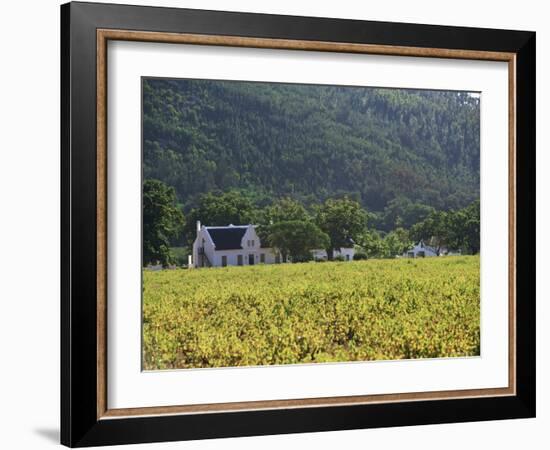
(384, 148)
(404, 162)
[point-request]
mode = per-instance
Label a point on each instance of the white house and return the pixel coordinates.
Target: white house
(240, 245)
(233, 245)
(421, 250)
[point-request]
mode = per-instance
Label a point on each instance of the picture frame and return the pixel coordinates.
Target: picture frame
(86, 418)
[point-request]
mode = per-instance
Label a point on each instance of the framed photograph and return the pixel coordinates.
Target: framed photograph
(276, 224)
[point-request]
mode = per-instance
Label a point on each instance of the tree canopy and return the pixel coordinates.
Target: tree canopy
(379, 167)
(163, 220)
(342, 220)
(312, 142)
(296, 238)
(458, 229)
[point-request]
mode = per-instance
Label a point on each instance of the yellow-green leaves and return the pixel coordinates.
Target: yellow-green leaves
(311, 312)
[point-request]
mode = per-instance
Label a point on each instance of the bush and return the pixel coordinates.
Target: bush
(339, 258)
(360, 256)
(180, 255)
(306, 257)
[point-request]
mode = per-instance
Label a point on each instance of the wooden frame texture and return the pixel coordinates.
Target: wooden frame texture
(86, 418)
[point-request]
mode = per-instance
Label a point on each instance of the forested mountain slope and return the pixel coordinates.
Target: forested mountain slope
(311, 142)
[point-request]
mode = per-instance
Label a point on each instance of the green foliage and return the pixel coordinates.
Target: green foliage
(296, 239)
(371, 243)
(466, 228)
(433, 230)
(394, 243)
(304, 313)
(360, 256)
(241, 152)
(342, 220)
(180, 255)
(401, 212)
(453, 229)
(162, 220)
(283, 210)
(274, 140)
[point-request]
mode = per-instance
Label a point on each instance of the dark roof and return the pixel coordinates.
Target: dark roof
(349, 243)
(427, 247)
(227, 238)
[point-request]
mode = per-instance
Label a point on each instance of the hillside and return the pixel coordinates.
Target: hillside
(312, 142)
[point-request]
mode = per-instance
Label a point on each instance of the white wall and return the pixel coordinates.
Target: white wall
(29, 190)
(232, 256)
(215, 257)
(346, 252)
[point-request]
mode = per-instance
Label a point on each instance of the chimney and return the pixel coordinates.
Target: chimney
(198, 226)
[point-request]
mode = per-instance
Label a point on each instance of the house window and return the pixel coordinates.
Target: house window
(262, 258)
(224, 260)
(251, 259)
(239, 260)
(347, 257)
(252, 242)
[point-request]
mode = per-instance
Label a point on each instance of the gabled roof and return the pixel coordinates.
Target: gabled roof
(227, 238)
(427, 247)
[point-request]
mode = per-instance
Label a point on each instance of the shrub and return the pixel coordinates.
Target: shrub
(180, 255)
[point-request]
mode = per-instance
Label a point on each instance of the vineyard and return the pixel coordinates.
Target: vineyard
(311, 312)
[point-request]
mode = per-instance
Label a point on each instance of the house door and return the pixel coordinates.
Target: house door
(250, 260)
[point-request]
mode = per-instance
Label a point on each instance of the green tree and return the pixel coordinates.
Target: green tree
(282, 210)
(396, 242)
(463, 228)
(296, 239)
(372, 244)
(453, 229)
(472, 227)
(314, 142)
(375, 245)
(163, 220)
(401, 212)
(342, 220)
(219, 209)
(434, 230)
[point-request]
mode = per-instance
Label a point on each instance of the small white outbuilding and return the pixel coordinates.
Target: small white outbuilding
(421, 250)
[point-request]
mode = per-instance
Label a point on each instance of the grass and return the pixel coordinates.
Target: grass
(311, 312)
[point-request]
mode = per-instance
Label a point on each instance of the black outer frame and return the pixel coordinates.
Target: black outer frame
(79, 424)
